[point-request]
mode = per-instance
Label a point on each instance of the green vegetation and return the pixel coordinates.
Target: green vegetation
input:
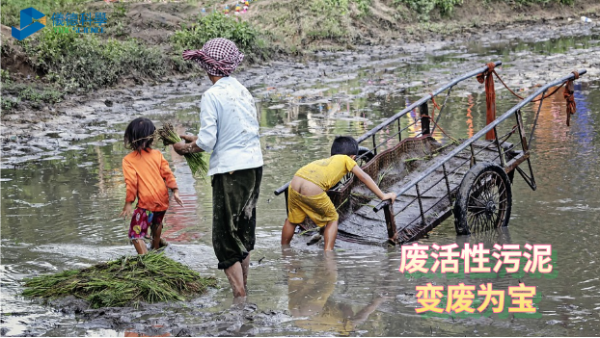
(541, 2)
(36, 97)
(333, 19)
(124, 282)
(23, 92)
(7, 104)
(217, 25)
(295, 26)
(5, 77)
(198, 162)
(84, 61)
(425, 7)
(71, 62)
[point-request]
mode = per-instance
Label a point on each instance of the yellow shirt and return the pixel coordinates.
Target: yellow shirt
(327, 172)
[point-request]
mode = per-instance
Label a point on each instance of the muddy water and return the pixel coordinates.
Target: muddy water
(60, 205)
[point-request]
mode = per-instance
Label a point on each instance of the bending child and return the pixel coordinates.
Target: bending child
(307, 193)
(147, 177)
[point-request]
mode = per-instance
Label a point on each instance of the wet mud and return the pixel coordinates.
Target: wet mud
(376, 72)
(61, 189)
(239, 320)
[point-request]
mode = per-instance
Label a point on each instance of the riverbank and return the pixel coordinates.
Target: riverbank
(62, 189)
(30, 133)
(142, 43)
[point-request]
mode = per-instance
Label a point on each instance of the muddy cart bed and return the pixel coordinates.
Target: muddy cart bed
(436, 193)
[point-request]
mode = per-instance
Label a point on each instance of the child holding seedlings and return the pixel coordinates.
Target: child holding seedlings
(307, 193)
(147, 177)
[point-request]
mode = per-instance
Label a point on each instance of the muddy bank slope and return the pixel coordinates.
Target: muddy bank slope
(149, 37)
(34, 134)
(311, 25)
(46, 92)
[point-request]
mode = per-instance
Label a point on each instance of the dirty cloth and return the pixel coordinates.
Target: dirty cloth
(229, 127)
(218, 57)
(142, 219)
(318, 208)
(327, 172)
(147, 177)
(234, 214)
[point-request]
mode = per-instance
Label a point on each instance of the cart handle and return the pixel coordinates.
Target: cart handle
(381, 205)
(282, 188)
(478, 135)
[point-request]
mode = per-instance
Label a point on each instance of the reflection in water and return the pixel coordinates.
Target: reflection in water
(140, 334)
(311, 284)
(60, 213)
(470, 130)
(414, 121)
(499, 236)
(179, 218)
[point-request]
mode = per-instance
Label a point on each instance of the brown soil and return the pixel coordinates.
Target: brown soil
(389, 23)
(16, 62)
(386, 24)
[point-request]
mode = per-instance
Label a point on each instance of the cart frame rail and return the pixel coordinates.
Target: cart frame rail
(509, 166)
(371, 134)
(496, 149)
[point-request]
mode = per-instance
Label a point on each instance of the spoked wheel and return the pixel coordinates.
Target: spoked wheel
(484, 199)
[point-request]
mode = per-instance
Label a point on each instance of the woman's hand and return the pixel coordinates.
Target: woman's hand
(181, 148)
(127, 210)
(189, 138)
(188, 146)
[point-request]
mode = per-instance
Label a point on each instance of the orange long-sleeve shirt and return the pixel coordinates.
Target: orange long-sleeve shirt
(147, 176)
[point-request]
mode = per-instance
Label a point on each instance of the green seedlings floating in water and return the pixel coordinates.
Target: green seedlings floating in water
(196, 161)
(126, 281)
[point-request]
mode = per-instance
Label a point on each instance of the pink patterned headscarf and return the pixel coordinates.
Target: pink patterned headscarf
(219, 57)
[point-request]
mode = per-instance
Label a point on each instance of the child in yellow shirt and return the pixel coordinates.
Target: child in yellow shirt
(307, 193)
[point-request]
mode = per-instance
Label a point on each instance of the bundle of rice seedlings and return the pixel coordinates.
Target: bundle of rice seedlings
(124, 282)
(197, 162)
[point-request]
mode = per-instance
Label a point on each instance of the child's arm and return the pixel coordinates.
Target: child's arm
(167, 175)
(131, 186)
(127, 210)
(176, 196)
(368, 181)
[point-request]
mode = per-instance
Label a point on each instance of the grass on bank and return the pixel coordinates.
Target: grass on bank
(216, 25)
(72, 62)
(77, 62)
(126, 281)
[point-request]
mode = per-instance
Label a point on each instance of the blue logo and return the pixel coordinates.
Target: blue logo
(31, 21)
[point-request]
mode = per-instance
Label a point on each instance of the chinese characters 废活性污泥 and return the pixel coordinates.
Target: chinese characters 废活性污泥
(475, 260)
(79, 22)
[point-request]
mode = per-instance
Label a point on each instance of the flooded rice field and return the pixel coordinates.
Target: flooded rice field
(62, 189)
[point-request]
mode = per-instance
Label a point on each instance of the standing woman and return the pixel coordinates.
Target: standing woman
(229, 128)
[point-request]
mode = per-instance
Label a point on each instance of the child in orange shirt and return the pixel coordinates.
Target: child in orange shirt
(147, 176)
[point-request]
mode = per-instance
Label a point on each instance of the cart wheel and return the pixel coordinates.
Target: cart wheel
(484, 199)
